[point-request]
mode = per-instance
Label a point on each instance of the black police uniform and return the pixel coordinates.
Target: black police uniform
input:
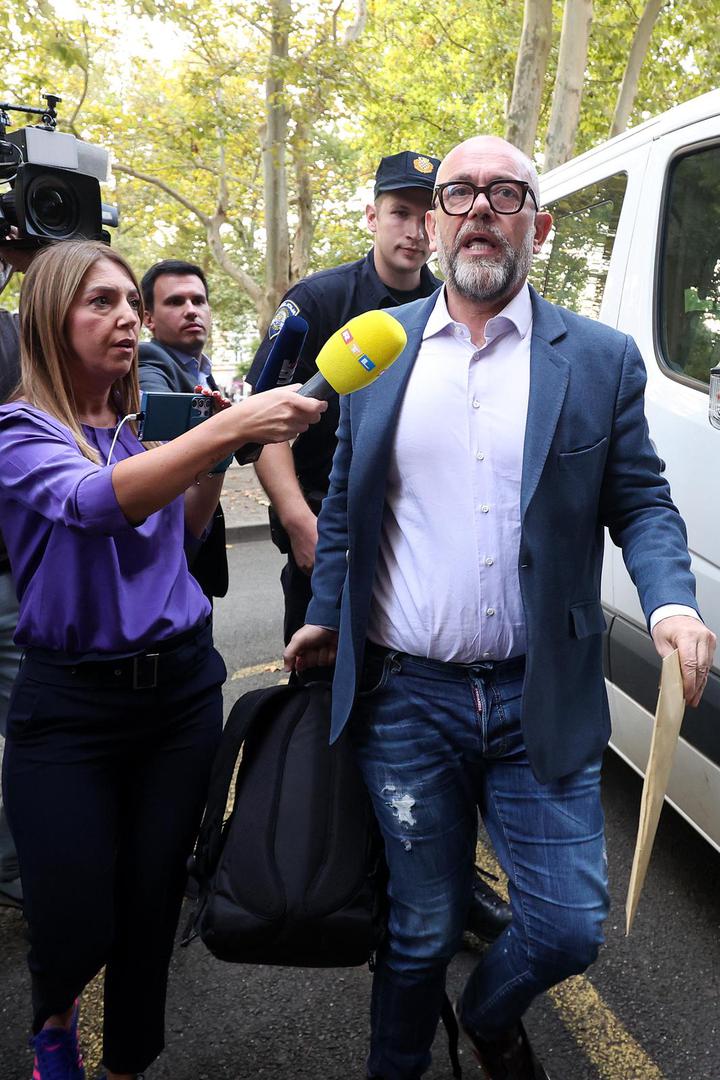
(326, 300)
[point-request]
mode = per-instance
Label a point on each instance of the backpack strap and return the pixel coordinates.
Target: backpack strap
(243, 715)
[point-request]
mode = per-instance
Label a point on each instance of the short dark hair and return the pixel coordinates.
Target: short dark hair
(168, 266)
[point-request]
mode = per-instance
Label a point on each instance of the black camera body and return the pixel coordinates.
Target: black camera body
(54, 182)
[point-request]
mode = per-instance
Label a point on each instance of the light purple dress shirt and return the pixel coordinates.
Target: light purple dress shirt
(89, 583)
(447, 584)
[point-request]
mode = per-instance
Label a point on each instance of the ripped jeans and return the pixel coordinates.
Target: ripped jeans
(435, 743)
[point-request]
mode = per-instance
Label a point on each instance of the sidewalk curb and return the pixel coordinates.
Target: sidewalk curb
(241, 534)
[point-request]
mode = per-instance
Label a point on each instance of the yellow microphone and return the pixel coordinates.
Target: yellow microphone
(356, 354)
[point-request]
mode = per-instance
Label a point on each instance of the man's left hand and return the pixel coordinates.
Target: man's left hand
(696, 646)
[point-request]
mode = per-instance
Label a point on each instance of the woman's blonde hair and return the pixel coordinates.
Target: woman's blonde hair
(48, 290)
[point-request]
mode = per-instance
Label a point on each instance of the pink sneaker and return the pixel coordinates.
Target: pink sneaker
(57, 1054)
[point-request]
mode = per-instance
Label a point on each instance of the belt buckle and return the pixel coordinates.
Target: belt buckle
(145, 671)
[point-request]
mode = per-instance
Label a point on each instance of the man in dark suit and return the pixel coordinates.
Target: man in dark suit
(457, 584)
(177, 313)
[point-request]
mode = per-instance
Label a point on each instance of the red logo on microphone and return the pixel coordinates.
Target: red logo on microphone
(347, 336)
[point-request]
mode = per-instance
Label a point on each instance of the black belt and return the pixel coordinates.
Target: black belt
(141, 671)
(511, 664)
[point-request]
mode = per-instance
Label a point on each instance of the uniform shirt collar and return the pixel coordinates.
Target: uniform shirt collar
(382, 294)
(517, 315)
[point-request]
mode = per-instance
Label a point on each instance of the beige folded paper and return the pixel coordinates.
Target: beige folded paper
(668, 718)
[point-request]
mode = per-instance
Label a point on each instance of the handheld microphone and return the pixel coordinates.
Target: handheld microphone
(356, 354)
(278, 370)
(282, 359)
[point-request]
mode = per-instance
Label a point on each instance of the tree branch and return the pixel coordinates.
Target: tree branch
(163, 186)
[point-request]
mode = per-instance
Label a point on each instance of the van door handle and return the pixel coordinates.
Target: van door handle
(661, 460)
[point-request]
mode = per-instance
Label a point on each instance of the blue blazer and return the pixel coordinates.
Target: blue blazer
(161, 370)
(587, 463)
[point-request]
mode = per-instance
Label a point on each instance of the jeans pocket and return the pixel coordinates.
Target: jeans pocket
(376, 672)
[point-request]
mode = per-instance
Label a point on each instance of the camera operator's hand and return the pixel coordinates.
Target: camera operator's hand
(276, 416)
(17, 258)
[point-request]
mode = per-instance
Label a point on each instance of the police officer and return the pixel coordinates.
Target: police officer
(393, 272)
(296, 479)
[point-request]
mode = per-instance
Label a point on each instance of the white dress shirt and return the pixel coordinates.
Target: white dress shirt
(446, 584)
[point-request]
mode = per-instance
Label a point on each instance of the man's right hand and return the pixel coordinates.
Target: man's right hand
(303, 534)
(310, 647)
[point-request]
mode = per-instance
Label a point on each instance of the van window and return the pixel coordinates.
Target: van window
(689, 293)
(573, 265)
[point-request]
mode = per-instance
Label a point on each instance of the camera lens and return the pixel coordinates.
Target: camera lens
(52, 207)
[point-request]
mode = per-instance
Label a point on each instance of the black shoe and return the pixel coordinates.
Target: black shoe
(489, 915)
(509, 1057)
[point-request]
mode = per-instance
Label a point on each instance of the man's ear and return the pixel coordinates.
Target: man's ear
(430, 228)
(371, 217)
(149, 321)
(543, 225)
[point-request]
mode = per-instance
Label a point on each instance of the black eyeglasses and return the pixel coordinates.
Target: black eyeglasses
(505, 196)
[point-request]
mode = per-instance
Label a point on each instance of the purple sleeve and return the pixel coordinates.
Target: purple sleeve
(42, 468)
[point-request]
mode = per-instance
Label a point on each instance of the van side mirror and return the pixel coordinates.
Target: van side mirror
(714, 404)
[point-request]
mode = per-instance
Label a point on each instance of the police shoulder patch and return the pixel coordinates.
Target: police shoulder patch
(288, 307)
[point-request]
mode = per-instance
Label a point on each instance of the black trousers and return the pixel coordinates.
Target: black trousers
(104, 787)
(298, 594)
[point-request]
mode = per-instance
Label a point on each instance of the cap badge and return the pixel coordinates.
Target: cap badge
(423, 165)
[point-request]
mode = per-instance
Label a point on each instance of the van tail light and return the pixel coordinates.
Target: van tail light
(714, 406)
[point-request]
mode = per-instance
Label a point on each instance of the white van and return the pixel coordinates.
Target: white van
(636, 244)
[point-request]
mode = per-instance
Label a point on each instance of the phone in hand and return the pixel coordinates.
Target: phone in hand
(164, 416)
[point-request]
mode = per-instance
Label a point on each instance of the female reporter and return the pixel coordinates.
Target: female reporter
(117, 709)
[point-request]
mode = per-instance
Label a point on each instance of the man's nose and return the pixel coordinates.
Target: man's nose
(481, 206)
(416, 228)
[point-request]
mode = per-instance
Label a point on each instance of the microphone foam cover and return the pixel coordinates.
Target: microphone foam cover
(361, 350)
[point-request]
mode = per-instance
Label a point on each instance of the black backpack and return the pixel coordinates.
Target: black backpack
(296, 874)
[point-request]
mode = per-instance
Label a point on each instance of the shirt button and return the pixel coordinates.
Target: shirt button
(489, 560)
(485, 508)
(480, 455)
(490, 611)
(486, 656)
(475, 404)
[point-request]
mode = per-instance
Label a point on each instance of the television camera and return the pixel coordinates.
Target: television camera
(54, 181)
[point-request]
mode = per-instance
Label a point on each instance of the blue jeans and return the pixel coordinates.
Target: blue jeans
(436, 742)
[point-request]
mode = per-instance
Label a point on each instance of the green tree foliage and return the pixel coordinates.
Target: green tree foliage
(182, 92)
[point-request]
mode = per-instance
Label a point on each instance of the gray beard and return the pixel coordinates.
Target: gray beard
(485, 279)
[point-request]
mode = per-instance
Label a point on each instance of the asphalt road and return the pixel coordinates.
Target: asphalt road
(649, 1009)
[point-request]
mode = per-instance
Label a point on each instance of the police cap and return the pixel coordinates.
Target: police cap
(406, 170)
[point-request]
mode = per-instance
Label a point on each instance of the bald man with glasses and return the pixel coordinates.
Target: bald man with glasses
(457, 581)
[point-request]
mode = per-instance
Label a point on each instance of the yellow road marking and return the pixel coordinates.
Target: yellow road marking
(256, 669)
(593, 1025)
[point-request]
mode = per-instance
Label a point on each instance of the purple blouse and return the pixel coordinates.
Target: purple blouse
(88, 582)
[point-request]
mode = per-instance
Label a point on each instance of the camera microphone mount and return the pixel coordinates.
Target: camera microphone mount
(48, 115)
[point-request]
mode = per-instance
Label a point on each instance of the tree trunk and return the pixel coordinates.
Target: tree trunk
(567, 94)
(631, 76)
(277, 245)
(302, 241)
(530, 68)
